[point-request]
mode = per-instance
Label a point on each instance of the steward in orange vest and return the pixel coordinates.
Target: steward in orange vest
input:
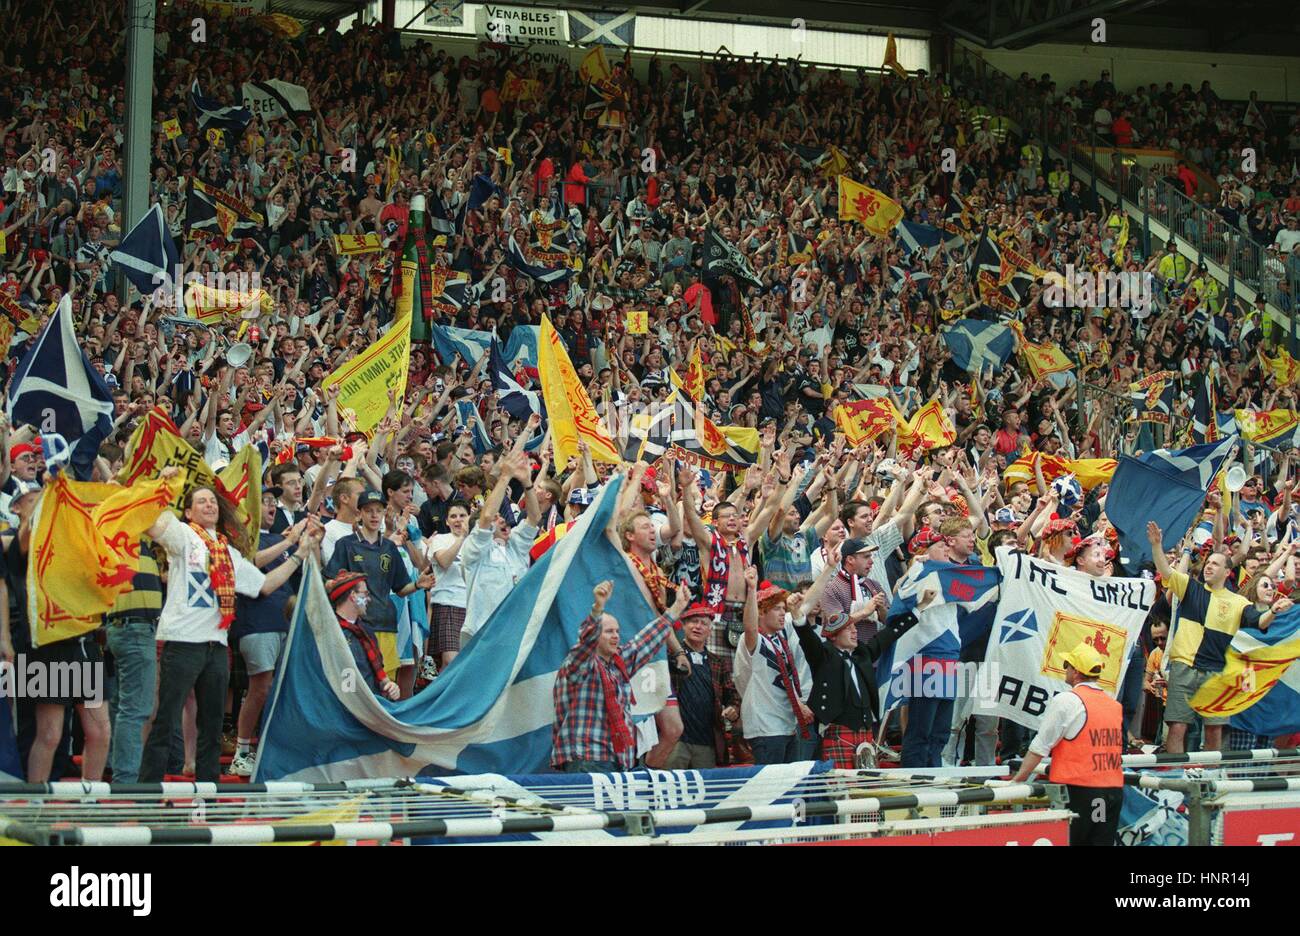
(1083, 731)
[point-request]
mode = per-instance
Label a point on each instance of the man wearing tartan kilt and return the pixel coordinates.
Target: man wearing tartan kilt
(844, 694)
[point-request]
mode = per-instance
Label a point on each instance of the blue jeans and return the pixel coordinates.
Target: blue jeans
(135, 661)
(929, 722)
(775, 749)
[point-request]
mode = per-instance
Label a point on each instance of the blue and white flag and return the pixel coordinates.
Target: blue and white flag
(451, 342)
(975, 345)
(1167, 486)
(212, 113)
(514, 399)
(1046, 610)
(745, 789)
(55, 389)
(1216, 333)
(959, 616)
(901, 276)
(608, 29)
(920, 238)
(490, 711)
(521, 347)
(468, 417)
(1151, 817)
(147, 256)
(517, 261)
(480, 190)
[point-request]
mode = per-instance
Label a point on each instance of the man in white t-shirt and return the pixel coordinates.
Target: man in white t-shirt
(204, 576)
(345, 493)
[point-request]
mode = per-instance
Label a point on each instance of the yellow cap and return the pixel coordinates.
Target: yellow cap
(1085, 659)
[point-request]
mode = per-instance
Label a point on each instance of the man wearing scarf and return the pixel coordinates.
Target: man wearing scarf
(593, 688)
(204, 575)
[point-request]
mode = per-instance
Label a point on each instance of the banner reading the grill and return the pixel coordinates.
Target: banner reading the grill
(1044, 612)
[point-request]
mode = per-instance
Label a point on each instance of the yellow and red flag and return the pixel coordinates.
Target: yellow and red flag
(864, 420)
(891, 57)
(1043, 358)
(695, 375)
(85, 549)
(1090, 472)
(572, 416)
(1284, 368)
(876, 211)
(1268, 426)
(350, 245)
(928, 428)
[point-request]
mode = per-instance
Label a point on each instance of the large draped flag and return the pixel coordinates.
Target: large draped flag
(864, 420)
(958, 617)
(928, 428)
(975, 344)
(1045, 611)
(490, 711)
(1167, 486)
(55, 389)
(1153, 398)
(572, 416)
(876, 211)
(85, 549)
(147, 256)
(1043, 358)
(1279, 427)
(211, 305)
(365, 381)
(1090, 472)
(157, 443)
(1259, 665)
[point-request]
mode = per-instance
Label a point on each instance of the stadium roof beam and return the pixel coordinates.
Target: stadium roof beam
(1019, 23)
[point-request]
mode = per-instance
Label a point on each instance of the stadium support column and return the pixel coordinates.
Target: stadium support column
(139, 114)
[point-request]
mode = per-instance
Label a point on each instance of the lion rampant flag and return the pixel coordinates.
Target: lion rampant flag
(157, 443)
(351, 245)
(572, 416)
(864, 420)
(85, 549)
(876, 211)
(1283, 367)
(695, 375)
(928, 428)
(1043, 359)
(1090, 472)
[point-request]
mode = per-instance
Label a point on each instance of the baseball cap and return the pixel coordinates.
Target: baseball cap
(856, 545)
(368, 497)
(1085, 659)
(1006, 515)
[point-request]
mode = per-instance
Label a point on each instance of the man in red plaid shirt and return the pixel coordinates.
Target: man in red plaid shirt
(593, 688)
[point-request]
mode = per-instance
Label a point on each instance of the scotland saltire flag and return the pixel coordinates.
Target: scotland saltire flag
(922, 238)
(961, 614)
(1216, 333)
(521, 347)
(466, 343)
(520, 263)
(514, 399)
(55, 389)
(1167, 486)
(609, 29)
(147, 256)
(490, 711)
(480, 190)
(468, 417)
(212, 113)
(900, 277)
(975, 344)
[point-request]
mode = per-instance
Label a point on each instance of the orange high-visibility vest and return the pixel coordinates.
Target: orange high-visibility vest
(1092, 757)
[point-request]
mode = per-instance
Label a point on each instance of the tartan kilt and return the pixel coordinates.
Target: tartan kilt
(447, 622)
(840, 745)
(717, 642)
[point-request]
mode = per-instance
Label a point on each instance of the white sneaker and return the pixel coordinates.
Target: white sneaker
(242, 765)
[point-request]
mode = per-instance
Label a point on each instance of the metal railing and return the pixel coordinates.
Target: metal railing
(1209, 235)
